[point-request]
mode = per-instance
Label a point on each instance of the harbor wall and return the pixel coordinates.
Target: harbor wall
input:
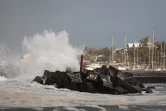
(149, 76)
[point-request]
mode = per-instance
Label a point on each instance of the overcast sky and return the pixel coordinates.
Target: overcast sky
(90, 22)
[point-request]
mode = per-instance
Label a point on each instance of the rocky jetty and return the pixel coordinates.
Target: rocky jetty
(101, 80)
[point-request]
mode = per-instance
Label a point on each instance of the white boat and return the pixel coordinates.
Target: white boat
(93, 66)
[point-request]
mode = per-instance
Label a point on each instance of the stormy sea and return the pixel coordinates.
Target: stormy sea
(52, 51)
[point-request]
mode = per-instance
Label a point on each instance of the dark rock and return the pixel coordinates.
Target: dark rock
(101, 80)
(149, 90)
(128, 74)
(38, 79)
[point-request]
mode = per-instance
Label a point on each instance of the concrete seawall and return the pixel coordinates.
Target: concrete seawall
(149, 76)
(148, 73)
(151, 79)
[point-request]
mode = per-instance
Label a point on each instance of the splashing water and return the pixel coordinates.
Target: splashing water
(9, 62)
(49, 51)
(2, 78)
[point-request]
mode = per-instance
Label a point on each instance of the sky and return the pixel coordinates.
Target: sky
(89, 22)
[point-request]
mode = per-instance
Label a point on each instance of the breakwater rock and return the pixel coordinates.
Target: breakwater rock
(101, 80)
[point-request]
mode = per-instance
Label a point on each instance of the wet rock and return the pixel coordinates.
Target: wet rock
(101, 80)
(38, 79)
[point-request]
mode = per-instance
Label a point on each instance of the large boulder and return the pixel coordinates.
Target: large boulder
(38, 79)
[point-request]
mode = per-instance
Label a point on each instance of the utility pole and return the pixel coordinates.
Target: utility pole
(152, 48)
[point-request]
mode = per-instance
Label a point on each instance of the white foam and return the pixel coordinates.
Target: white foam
(123, 107)
(101, 108)
(49, 51)
(71, 108)
(33, 93)
(2, 78)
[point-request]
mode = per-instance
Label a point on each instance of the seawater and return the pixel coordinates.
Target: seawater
(22, 93)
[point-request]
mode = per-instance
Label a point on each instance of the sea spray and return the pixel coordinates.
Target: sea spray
(4, 50)
(9, 62)
(2, 78)
(49, 51)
